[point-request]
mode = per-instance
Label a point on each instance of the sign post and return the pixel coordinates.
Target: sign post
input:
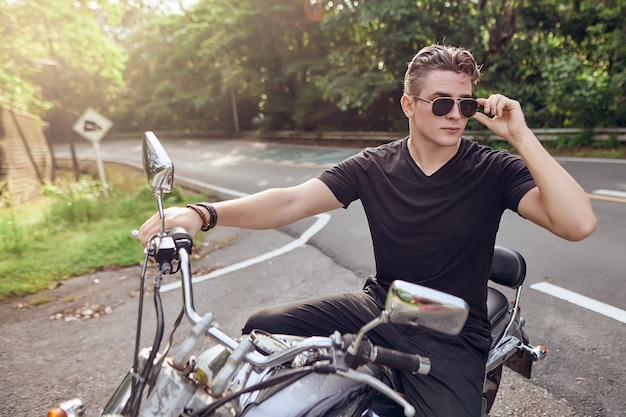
(93, 126)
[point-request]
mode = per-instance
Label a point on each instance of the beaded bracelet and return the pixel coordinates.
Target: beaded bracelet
(205, 225)
(212, 214)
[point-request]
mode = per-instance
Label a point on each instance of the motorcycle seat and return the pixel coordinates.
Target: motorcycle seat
(507, 268)
(497, 306)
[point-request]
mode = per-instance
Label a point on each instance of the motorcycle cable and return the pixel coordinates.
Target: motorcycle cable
(140, 381)
(170, 341)
(142, 279)
(286, 377)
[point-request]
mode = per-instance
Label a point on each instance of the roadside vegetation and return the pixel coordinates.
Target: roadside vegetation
(73, 229)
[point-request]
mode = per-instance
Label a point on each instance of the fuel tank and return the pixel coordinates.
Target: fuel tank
(313, 395)
(305, 395)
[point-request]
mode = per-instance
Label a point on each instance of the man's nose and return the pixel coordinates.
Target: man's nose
(455, 113)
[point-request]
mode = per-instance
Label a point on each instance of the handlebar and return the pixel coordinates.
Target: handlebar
(183, 244)
(177, 244)
(366, 352)
(399, 360)
(241, 351)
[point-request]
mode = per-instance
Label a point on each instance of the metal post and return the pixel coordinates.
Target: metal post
(105, 186)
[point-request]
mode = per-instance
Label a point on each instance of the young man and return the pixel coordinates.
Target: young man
(433, 202)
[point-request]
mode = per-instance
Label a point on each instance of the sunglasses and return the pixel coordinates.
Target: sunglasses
(443, 105)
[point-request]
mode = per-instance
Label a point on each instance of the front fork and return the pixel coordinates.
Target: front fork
(116, 405)
(120, 398)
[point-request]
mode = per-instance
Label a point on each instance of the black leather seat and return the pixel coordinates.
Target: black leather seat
(508, 268)
(497, 305)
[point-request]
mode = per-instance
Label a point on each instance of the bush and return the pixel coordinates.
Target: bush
(79, 231)
(12, 232)
(578, 140)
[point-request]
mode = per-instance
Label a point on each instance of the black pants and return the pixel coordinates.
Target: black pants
(454, 386)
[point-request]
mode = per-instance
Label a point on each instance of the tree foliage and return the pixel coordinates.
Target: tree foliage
(58, 54)
(276, 67)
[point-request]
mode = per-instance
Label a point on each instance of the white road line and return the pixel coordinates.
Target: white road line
(321, 221)
(214, 187)
(581, 300)
(610, 193)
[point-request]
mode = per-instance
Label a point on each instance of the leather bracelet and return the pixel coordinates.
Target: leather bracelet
(212, 214)
(205, 224)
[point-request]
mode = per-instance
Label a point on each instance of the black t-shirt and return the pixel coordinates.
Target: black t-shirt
(438, 231)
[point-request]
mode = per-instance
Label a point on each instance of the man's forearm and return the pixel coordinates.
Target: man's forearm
(277, 206)
(264, 210)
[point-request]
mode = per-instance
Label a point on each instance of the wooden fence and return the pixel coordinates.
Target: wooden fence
(25, 158)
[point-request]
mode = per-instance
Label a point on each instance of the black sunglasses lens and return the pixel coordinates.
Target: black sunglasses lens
(468, 107)
(442, 106)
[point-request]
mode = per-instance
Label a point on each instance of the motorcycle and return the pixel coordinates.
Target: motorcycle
(262, 374)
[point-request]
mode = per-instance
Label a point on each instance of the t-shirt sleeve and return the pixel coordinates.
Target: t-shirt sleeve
(517, 180)
(341, 179)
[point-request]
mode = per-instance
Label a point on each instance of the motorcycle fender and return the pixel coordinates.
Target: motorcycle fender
(521, 362)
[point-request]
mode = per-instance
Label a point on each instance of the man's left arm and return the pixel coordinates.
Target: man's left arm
(558, 203)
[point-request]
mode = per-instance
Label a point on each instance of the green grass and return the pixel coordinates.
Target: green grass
(74, 230)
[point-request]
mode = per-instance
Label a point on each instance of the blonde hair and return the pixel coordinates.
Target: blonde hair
(439, 57)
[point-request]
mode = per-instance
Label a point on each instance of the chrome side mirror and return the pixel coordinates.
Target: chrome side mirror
(157, 165)
(159, 169)
(421, 306)
(416, 305)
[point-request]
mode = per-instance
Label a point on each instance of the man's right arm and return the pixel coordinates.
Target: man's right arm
(277, 207)
(267, 209)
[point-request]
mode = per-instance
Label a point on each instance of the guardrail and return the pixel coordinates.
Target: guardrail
(346, 138)
(599, 134)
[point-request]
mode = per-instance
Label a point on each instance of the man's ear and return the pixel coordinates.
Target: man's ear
(407, 106)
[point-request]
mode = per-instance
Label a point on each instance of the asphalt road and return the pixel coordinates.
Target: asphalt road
(584, 366)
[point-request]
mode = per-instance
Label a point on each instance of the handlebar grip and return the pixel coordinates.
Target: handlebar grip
(181, 238)
(398, 360)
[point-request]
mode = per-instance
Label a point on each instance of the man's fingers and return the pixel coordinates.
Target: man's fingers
(482, 118)
(495, 105)
(149, 228)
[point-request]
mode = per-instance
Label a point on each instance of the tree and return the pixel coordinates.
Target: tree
(184, 70)
(571, 59)
(58, 54)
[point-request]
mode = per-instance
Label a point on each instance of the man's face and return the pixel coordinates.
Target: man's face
(444, 130)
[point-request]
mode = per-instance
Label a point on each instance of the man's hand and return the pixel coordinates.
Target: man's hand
(174, 216)
(507, 119)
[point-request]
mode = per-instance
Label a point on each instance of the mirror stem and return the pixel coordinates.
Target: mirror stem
(159, 198)
(354, 347)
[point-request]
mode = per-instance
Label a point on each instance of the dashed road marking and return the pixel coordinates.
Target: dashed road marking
(609, 195)
(581, 300)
